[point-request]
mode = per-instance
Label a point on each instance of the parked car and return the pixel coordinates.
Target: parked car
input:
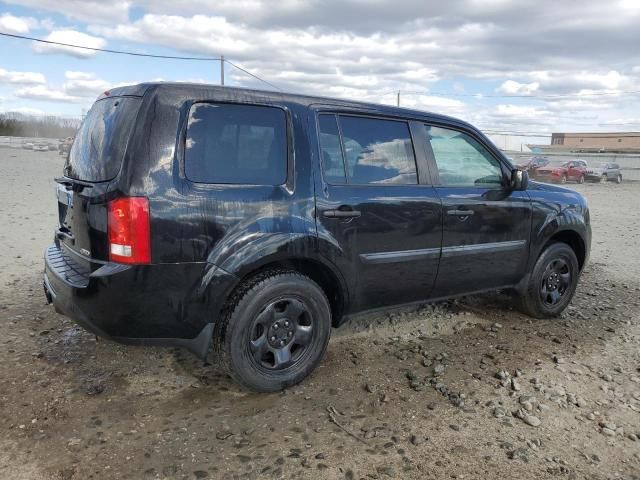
(40, 147)
(604, 172)
(27, 145)
(250, 223)
(561, 171)
(533, 164)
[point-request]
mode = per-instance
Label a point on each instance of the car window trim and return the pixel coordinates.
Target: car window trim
(289, 138)
(337, 113)
(433, 166)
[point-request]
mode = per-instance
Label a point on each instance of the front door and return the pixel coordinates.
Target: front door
(381, 212)
(486, 226)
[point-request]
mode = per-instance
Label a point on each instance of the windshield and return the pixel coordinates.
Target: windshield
(99, 146)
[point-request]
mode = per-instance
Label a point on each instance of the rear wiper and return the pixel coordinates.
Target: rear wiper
(72, 181)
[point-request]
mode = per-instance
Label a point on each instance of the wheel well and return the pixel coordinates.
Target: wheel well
(316, 271)
(574, 240)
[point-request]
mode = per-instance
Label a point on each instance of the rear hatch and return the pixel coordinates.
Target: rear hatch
(95, 158)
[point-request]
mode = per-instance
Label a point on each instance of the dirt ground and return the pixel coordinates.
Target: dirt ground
(466, 389)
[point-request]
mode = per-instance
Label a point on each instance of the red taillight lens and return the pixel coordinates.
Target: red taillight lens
(128, 230)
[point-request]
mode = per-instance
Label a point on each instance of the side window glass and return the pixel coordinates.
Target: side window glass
(378, 151)
(236, 144)
(461, 160)
(331, 151)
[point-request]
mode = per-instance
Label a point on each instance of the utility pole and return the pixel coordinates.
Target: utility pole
(222, 70)
(398, 100)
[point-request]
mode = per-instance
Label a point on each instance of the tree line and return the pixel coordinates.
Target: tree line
(20, 125)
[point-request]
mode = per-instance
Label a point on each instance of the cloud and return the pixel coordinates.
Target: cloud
(511, 87)
(85, 11)
(71, 37)
(25, 111)
(84, 84)
(370, 50)
(21, 78)
(44, 92)
(16, 25)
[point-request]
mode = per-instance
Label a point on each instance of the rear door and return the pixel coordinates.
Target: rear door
(374, 200)
(94, 159)
(486, 227)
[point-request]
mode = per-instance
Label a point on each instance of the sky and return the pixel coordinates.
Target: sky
(518, 66)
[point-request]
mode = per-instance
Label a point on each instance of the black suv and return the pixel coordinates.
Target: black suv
(250, 223)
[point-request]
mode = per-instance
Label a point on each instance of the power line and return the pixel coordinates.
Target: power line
(106, 50)
(482, 95)
(137, 54)
(251, 74)
(520, 134)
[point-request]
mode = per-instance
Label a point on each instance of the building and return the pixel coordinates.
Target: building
(614, 142)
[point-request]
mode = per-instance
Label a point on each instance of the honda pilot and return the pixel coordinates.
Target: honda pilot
(247, 224)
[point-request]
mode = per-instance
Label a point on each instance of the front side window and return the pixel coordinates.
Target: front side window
(461, 160)
(236, 144)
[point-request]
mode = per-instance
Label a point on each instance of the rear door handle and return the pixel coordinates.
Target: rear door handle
(341, 213)
(460, 213)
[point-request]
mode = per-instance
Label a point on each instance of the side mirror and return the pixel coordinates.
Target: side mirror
(519, 179)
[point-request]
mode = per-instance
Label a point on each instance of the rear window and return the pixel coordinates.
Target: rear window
(236, 144)
(100, 144)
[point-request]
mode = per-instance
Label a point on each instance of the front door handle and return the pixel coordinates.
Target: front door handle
(341, 214)
(460, 213)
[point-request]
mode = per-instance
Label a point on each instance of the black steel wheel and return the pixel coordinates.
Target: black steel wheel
(555, 282)
(275, 331)
(552, 282)
(281, 333)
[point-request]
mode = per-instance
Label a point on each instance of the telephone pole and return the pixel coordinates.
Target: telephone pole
(398, 100)
(222, 70)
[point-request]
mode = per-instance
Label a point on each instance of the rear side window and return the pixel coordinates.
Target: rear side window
(376, 151)
(98, 149)
(236, 144)
(332, 162)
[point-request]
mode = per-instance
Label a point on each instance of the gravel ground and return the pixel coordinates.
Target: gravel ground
(465, 389)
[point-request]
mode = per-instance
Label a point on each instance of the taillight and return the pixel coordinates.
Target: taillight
(128, 230)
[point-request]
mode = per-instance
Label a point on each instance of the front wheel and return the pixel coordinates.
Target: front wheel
(552, 283)
(619, 179)
(275, 331)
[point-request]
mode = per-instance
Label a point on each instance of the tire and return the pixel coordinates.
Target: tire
(563, 179)
(538, 299)
(619, 179)
(274, 331)
(603, 178)
(581, 179)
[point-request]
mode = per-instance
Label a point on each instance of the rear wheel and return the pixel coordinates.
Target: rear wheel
(581, 179)
(619, 179)
(603, 178)
(275, 331)
(552, 283)
(563, 179)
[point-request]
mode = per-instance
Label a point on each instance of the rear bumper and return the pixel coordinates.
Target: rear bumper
(162, 304)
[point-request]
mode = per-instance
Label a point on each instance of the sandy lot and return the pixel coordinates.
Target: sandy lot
(467, 389)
